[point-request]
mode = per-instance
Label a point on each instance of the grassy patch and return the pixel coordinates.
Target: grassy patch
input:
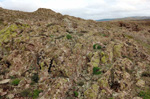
(76, 93)
(36, 93)
(97, 46)
(145, 94)
(96, 71)
(68, 36)
(15, 82)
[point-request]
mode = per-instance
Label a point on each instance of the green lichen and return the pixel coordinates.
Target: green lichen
(104, 57)
(92, 92)
(117, 50)
(42, 65)
(7, 33)
(95, 60)
(103, 83)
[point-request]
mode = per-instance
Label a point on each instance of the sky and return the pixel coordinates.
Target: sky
(87, 9)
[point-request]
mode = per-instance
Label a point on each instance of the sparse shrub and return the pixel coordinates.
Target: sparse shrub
(26, 93)
(15, 82)
(145, 94)
(81, 83)
(1, 21)
(51, 24)
(146, 74)
(96, 71)
(36, 93)
(51, 36)
(35, 78)
(97, 46)
(68, 36)
(12, 77)
(76, 93)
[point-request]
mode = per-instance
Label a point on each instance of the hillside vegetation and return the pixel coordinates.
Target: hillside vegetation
(47, 55)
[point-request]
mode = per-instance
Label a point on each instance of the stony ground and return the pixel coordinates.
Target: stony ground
(46, 55)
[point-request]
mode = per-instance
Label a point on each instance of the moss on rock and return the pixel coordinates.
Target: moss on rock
(92, 92)
(117, 50)
(7, 33)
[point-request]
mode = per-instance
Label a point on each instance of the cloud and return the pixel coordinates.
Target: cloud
(87, 9)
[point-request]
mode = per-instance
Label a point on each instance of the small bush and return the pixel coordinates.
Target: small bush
(96, 71)
(81, 83)
(145, 95)
(76, 94)
(35, 77)
(97, 46)
(68, 36)
(25, 93)
(36, 93)
(146, 74)
(15, 82)
(28, 93)
(12, 77)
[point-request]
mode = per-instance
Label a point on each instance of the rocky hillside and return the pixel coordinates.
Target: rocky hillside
(46, 55)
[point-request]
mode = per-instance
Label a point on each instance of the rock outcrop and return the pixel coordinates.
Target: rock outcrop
(44, 55)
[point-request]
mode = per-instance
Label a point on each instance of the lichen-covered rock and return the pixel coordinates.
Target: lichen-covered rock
(94, 62)
(92, 92)
(109, 51)
(53, 56)
(57, 89)
(140, 83)
(5, 81)
(104, 57)
(7, 33)
(117, 50)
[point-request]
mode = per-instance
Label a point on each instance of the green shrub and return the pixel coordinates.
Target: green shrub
(12, 77)
(15, 82)
(76, 94)
(97, 46)
(145, 94)
(28, 93)
(68, 36)
(96, 71)
(36, 93)
(35, 77)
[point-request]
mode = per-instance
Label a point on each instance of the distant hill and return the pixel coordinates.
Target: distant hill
(127, 18)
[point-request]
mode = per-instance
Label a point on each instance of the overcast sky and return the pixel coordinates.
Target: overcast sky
(87, 9)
